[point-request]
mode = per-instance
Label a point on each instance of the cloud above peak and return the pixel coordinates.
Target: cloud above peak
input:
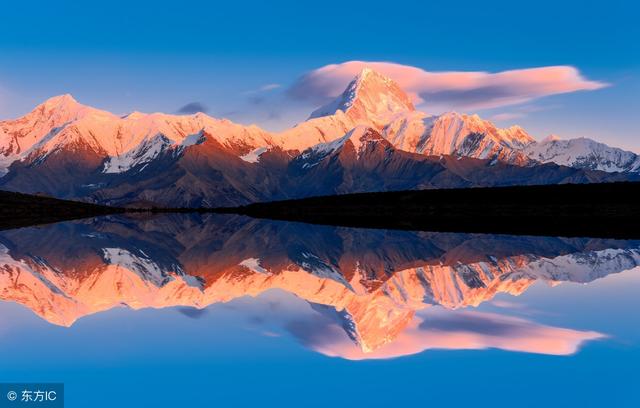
(447, 90)
(193, 107)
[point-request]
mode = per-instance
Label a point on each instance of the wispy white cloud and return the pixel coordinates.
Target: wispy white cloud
(508, 116)
(519, 112)
(451, 89)
(269, 87)
(263, 88)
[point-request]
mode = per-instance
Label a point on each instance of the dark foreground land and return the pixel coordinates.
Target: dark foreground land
(609, 210)
(598, 210)
(21, 210)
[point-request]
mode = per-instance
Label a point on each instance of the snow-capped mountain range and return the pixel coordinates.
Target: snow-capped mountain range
(583, 153)
(70, 150)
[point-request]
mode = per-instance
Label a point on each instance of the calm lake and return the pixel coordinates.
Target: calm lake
(230, 311)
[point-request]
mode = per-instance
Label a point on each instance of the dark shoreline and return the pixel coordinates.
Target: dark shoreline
(605, 210)
(23, 210)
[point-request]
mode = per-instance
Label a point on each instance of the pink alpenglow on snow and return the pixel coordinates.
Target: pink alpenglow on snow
(451, 89)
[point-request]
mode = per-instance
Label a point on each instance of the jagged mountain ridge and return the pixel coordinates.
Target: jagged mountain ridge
(583, 153)
(69, 150)
(458, 135)
(123, 141)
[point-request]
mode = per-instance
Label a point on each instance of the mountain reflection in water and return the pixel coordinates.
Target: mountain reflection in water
(373, 291)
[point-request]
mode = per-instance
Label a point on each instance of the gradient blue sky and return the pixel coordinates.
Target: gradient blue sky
(156, 56)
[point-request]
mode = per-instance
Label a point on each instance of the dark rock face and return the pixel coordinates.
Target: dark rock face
(64, 173)
(211, 175)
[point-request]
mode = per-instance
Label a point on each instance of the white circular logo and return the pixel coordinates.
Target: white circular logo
(11, 395)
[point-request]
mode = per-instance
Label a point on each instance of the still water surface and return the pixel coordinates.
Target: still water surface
(229, 311)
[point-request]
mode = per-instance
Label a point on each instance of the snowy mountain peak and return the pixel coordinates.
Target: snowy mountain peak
(583, 153)
(369, 98)
(135, 115)
(60, 100)
(365, 71)
(19, 135)
(61, 106)
(516, 128)
(359, 137)
(457, 134)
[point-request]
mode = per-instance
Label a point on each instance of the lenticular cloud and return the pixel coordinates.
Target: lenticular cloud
(448, 90)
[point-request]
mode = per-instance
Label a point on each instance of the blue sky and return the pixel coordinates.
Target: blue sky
(229, 57)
